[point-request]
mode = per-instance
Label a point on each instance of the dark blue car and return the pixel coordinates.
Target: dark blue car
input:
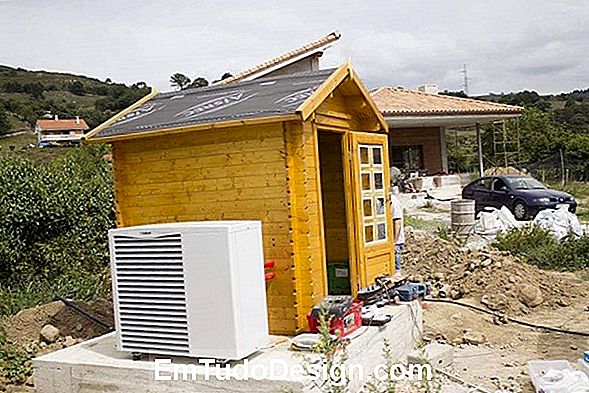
(523, 195)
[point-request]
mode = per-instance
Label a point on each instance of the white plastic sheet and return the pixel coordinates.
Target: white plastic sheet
(492, 221)
(560, 222)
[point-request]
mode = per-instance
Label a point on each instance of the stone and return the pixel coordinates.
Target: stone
(562, 302)
(473, 338)
(486, 263)
(49, 333)
(530, 295)
(69, 341)
(30, 381)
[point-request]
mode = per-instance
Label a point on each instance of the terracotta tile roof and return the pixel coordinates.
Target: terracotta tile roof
(400, 102)
(62, 124)
(290, 55)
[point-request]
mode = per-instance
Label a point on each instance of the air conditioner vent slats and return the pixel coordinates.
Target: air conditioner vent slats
(151, 292)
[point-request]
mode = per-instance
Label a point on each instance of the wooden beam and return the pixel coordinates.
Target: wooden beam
(119, 115)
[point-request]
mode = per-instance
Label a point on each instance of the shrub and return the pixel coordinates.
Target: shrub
(54, 216)
(538, 247)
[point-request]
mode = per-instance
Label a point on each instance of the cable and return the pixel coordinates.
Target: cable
(429, 196)
(516, 321)
(83, 312)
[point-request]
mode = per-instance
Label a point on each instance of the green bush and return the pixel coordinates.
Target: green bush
(538, 247)
(54, 217)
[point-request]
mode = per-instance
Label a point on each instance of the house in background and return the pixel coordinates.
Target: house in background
(60, 132)
(418, 119)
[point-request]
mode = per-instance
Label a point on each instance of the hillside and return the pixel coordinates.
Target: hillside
(27, 95)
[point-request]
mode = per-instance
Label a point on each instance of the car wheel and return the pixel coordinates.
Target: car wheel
(520, 210)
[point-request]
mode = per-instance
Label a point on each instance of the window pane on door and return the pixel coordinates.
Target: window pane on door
(366, 181)
(377, 155)
(369, 233)
(364, 157)
(372, 188)
(378, 181)
(367, 205)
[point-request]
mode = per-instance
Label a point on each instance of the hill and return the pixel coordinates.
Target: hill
(27, 95)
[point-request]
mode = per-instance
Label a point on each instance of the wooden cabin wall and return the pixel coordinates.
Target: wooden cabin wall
(333, 197)
(223, 174)
(306, 224)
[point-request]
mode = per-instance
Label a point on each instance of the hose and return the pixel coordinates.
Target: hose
(81, 311)
(516, 321)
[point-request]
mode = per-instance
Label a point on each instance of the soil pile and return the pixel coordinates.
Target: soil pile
(24, 328)
(494, 278)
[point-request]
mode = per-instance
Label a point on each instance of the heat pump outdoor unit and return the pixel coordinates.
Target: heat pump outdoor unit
(192, 289)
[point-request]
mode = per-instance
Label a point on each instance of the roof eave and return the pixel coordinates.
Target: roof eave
(196, 127)
(446, 120)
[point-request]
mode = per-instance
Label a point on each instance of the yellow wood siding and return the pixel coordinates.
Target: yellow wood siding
(216, 175)
(306, 224)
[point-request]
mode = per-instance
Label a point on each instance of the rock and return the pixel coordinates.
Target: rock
(49, 333)
(530, 295)
(498, 265)
(562, 302)
(30, 381)
(486, 263)
(473, 338)
(454, 294)
(439, 276)
(512, 279)
(69, 341)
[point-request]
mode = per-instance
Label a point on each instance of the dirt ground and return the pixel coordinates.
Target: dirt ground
(489, 351)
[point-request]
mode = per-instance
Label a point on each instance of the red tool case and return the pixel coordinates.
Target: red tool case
(341, 325)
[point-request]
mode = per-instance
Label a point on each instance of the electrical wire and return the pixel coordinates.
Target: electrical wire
(507, 318)
(84, 313)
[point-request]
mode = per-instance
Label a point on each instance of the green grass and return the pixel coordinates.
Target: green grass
(538, 247)
(20, 145)
(436, 227)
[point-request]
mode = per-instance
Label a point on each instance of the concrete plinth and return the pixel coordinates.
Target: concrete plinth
(96, 366)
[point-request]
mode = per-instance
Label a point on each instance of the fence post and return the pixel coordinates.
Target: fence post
(562, 174)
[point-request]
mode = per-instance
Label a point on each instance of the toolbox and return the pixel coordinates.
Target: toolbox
(344, 311)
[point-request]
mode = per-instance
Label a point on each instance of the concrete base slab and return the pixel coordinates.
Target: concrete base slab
(96, 366)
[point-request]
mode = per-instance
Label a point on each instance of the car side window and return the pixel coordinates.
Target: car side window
(499, 185)
(483, 185)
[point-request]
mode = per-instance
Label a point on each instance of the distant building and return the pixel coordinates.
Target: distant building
(60, 131)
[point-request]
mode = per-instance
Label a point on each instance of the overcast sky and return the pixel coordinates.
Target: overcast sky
(511, 45)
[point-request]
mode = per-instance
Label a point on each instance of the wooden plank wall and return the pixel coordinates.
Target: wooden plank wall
(333, 196)
(224, 174)
(306, 224)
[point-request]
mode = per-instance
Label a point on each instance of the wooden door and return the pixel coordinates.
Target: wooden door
(373, 243)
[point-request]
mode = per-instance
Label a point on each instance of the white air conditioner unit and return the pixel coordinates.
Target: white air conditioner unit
(192, 289)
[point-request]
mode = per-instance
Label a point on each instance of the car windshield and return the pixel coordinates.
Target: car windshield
(525, 183)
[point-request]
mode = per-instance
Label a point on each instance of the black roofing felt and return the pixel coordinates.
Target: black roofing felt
(264, 97)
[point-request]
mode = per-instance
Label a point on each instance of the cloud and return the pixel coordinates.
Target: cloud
(540, 45)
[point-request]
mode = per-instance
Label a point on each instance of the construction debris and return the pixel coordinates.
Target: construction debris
(560, 222)
(496, 279)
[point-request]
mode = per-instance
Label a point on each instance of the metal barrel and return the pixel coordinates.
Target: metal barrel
(463, 217)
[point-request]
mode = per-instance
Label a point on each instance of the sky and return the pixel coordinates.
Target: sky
(540, 45)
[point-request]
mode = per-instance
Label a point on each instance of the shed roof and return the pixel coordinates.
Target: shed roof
(62, 124)
(279, 98)
(284, 59)
(400, 102)
(216, 104)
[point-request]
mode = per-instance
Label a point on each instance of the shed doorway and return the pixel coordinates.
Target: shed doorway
(335, 213)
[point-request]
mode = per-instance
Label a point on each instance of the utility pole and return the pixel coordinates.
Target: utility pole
(464, 73)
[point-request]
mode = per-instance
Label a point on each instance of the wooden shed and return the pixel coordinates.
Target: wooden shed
(304, 153)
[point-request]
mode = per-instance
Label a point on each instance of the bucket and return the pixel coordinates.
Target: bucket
(462, 217)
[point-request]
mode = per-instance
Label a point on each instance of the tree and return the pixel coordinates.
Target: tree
(199, 82)
(77, 88)
(4, 123)
(179, 81)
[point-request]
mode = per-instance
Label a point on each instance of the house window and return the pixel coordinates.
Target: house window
(373, 193)
(408, 158)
